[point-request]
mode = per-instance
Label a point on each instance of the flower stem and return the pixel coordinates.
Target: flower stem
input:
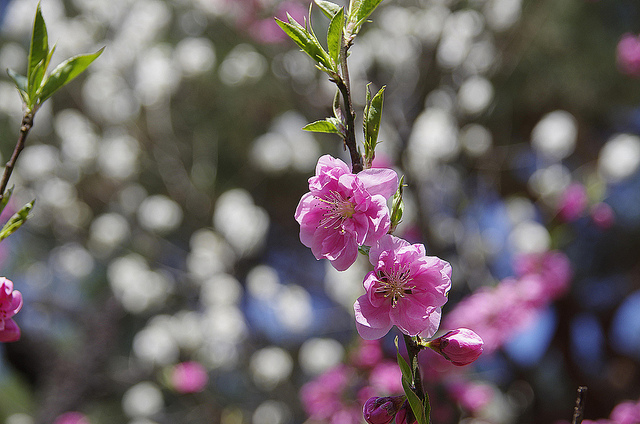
(25, 127)
(413, 348)
(349, 114)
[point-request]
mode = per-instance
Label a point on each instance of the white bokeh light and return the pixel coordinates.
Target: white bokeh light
(620, 157)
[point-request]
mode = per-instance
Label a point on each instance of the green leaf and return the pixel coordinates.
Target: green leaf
(397, 210)
(328, 125)
(35, 81)
(334, 36)
(372, 117)
(359, 11)
(415, 403)
(328, 8)
(5, 199)
(404, 366)
(306, 41)
(65, 72)
(16, 221)
(39, 44)
(21, 84)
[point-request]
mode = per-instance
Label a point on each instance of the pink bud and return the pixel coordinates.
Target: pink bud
(381, 410)
(10, 304)
(405, 414)
(461, 346)
(189, 377)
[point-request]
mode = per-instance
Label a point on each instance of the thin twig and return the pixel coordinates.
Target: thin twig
(349, 114)
(578, 410)
(25, 127)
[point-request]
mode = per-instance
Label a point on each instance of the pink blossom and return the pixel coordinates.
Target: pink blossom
(10, 304)
(628, 55)
(343, 210)
(461, 346)
(189, 377)
(72, 418)
(573, 201)
(406, 289)
(603, 216)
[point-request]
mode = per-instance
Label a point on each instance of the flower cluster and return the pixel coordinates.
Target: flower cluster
(10, 304)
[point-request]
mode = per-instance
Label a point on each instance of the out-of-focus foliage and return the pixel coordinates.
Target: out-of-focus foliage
(166, 179)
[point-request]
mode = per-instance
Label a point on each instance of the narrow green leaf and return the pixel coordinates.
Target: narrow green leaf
(373, 117)
(308, 43)
(397, 210)
(39, 47)
(328, 8)
(5, 198)
(19, 80)
(415, 403)
(21, 83)
(404, 366)
(359, 11)
(35, 81)
(334, 36)
(324, 126)
(16, 221)
(65, 72)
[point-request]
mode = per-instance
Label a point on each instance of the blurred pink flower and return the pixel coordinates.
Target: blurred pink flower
(461, 346)
(386, 377)
(72, 418)
(628, 55)
(189, 377)
(626, 413)
(10, 304)
(406, 289)
(553, 268)
(367, 354)
(343, 210)
(323, 400)
(267, 30)
(472, 396)
(603, 216)
(499, 313)
(572, 203)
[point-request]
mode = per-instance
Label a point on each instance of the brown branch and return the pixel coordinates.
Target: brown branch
(578, 410)
(349, 114)
(25, 127)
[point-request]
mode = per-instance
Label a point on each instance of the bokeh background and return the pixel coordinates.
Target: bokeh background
(167, 175)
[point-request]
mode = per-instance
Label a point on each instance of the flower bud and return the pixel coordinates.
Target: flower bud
(10, 304)
(405, 414)
(381, 410)
(461, 346)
